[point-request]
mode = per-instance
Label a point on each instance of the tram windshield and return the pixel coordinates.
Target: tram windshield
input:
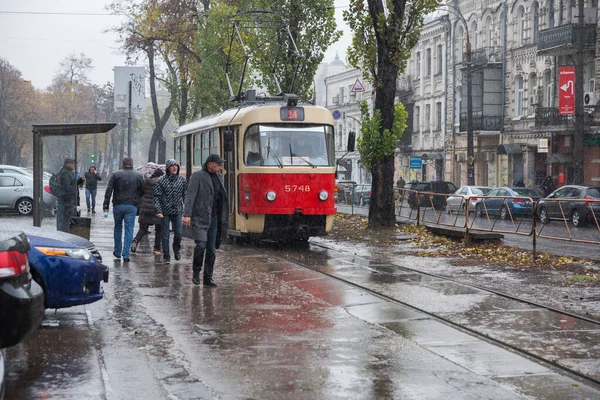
(289, 145)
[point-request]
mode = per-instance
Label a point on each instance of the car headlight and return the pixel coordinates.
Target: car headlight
(323, 195)
(271, 195)
(77, 254)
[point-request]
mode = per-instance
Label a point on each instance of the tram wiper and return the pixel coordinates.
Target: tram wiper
(274, 154)
(303, 159)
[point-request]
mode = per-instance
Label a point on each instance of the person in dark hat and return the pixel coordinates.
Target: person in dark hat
(91, 179)
(67, 195)
(205, 210)
(128, 188)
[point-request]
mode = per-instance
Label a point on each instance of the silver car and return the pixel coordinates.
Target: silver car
(16, 193)
(457, 201)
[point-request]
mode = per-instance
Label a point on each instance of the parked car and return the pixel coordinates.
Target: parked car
(344, 191)
(501, 206)
(69, 268)
(458, 201)
(578, 212)
(439, 202)
(16, 192)
(21, 298)
(362, 195)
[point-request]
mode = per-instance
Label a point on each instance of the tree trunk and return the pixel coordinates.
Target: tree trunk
(381, 206)
(159, 122)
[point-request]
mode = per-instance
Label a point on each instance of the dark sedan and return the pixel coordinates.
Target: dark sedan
(507, 201)
(21, 298)
(576, 203)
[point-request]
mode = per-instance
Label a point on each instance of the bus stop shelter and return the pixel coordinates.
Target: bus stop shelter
(42, 131)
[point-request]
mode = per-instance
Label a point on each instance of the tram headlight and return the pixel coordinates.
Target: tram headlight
(323, 195)
(271, 195)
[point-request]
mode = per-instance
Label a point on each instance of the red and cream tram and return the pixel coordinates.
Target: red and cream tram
(280, 165)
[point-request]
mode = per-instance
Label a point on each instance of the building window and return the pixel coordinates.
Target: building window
(474, 42)
(521, 25)
(519, 97)
(440, 59)
(490, 33)
(418, 66)
(417, 122)
(428, 63)
(427, 116)
(535, 22)
(438, 116)
(533, 98)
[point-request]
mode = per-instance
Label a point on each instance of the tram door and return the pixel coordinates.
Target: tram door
(229, 175)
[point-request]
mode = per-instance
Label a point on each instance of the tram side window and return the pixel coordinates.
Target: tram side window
(180, 150)
(205, 146)
(214, 142)
(252, 147)
(197, 161)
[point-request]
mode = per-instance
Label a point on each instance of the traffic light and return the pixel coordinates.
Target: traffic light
(92, 158)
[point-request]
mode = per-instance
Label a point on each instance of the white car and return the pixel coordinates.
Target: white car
(457, 201)
(16, 193)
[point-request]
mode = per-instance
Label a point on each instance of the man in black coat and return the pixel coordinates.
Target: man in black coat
(67, 196)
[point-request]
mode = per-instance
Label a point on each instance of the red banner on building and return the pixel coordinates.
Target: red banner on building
(566, 90)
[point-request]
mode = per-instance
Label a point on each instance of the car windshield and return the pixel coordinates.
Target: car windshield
(525, 192)
(289, 145)
(481, 190)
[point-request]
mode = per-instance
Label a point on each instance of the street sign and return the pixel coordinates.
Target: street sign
(358, 87)
(336, 114)
(137, 77)
(415, 162)
(566, 90)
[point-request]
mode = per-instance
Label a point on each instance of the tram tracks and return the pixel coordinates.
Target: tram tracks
(562, 340)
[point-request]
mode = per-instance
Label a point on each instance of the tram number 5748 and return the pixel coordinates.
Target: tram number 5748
(297, 188)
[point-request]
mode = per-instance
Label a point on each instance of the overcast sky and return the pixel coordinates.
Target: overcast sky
(36, 35)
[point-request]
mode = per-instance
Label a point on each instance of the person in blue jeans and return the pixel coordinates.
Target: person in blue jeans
(128, 188)
(169, 196)
(91, 179)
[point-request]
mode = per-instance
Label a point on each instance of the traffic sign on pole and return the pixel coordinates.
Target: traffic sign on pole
(336, 114)
(357, 87)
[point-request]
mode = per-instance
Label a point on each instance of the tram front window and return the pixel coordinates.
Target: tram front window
(289, 145)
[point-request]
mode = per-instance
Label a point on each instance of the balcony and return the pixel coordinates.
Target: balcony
(481, 122)
(485, 56)
(549, 116)
(562, 40)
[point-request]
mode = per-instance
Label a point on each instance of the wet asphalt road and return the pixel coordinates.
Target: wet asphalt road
(270, 330)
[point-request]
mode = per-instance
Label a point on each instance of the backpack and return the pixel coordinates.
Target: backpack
(54, 185)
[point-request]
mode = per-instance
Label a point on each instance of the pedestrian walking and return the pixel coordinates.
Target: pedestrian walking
(400, 183)
(91, 179)
(169, 196)
(547, 186)
(128, 188)
(206, 207)
(147, 216)
(66, 194)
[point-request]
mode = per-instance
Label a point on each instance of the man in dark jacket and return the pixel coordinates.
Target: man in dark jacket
(206, 211)
(67, 196)
(169, 196)
(91, 179)
(128, 187)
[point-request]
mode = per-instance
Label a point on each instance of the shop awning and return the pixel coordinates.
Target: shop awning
(432, 156)
(510, 148)
(559, 158)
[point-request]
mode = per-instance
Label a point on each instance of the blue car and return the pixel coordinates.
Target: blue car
(504, 206)
(68, 267)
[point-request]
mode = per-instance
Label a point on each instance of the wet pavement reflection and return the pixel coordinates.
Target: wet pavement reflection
(273, 329)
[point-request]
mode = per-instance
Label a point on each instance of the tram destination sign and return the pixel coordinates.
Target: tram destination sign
(291, 113)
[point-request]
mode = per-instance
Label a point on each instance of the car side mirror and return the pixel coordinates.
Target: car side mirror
(351, 141)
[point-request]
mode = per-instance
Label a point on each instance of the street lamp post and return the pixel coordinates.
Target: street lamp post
(470, 150)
